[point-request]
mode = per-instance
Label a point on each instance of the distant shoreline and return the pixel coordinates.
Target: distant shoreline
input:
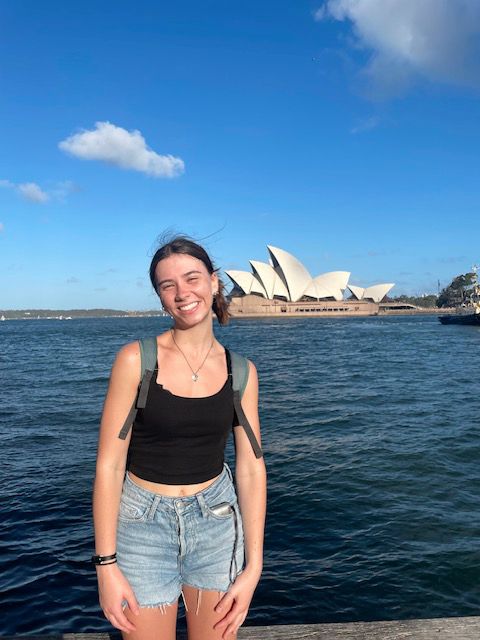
(70, 314)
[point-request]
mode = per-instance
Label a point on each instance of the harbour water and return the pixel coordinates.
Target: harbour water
(371, 435)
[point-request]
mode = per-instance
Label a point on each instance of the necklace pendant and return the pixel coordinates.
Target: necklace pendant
(194, 377)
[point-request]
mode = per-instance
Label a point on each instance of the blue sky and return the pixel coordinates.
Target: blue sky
(346, 132)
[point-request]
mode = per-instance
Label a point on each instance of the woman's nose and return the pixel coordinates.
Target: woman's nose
(181, 290)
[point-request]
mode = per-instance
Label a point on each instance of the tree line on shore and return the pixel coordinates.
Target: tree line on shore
(66, 314)
(455, 294)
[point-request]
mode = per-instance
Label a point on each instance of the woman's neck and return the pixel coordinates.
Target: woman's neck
(194, 339)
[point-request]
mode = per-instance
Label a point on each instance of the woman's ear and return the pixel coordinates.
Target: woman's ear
(215, 284)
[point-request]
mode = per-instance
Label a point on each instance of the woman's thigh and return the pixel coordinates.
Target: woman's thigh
(153, 623)
(201, 615)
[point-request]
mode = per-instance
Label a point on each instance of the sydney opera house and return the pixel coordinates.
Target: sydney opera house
(283, 286)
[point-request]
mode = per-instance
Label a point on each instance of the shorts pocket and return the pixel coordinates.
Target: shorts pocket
(133, 508)
(221, 511)
(222, 506)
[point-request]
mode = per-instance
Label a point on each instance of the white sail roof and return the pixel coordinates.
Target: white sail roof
(333, 281)
(246, 281)
(315, 290)
(357, 291)
(377, 292)
(291, 271)
(270, 279)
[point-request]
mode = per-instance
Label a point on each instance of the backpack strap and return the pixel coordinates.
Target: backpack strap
(148, 358)
(238, 371)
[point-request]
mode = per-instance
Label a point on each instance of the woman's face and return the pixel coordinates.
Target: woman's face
(185, 288)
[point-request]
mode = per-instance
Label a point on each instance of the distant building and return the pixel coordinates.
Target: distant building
(285, 279)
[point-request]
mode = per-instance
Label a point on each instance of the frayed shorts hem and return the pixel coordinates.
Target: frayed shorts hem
(196, 586)
(160, 605)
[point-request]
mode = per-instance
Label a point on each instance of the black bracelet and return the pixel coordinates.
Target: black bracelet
(99, 560)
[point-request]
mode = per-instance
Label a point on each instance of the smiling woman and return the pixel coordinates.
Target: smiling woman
(167, 517)
(188, 264)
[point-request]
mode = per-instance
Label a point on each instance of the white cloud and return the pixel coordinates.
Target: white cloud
(366, 125)
(28, 190)
(2, 227)
(125, 149)
(31, 191)
(437, 40)
(34, 193)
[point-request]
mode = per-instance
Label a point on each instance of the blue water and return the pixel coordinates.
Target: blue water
(371, 435)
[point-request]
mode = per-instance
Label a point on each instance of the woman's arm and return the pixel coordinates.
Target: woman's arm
(110, 471)
(250, 476)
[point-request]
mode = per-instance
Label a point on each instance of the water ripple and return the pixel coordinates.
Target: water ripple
(372, 444)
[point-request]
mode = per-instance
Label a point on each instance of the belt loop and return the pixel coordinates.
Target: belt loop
(153, 507)
(202, 504)
(229, 471)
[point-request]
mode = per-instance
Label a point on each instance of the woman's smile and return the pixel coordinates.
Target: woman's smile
(191, 306)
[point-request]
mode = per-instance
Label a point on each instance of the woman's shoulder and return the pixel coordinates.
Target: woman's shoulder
(132, 349)
(129, 353)
(128, 361)
(240, 357)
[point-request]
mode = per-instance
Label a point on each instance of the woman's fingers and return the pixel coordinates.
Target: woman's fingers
(132, 602)
(225, 603)
(233, 626)
(228, 610)
(120, 621)
(233, 618)
(230, 632)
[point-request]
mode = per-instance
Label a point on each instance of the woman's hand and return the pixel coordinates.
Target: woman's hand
(114, 589)
(235, 603)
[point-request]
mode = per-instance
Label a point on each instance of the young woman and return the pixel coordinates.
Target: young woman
(167, 519)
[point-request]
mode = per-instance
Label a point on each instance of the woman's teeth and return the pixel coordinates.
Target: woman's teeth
(187, 307)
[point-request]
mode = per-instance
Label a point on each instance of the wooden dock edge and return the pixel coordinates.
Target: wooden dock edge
(465, 628)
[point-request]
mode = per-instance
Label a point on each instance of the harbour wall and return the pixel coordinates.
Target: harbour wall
(252, 306)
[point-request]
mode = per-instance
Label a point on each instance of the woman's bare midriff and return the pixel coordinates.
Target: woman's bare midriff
(171, 490)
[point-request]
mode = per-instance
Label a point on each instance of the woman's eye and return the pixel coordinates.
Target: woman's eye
(167, 286)
(192, 279)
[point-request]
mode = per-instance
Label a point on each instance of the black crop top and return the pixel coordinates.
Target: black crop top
(178, 440)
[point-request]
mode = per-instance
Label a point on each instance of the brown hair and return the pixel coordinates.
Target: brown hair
(182, 244)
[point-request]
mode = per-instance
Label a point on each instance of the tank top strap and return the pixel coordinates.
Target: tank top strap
(229, 366)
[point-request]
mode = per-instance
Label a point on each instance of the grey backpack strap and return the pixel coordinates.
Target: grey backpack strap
(148, 357)
(238, 368)
(148, 353)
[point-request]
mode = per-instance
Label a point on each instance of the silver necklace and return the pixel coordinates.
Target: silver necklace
(194, 373)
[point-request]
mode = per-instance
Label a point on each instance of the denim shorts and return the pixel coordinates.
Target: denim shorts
(164, 542)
